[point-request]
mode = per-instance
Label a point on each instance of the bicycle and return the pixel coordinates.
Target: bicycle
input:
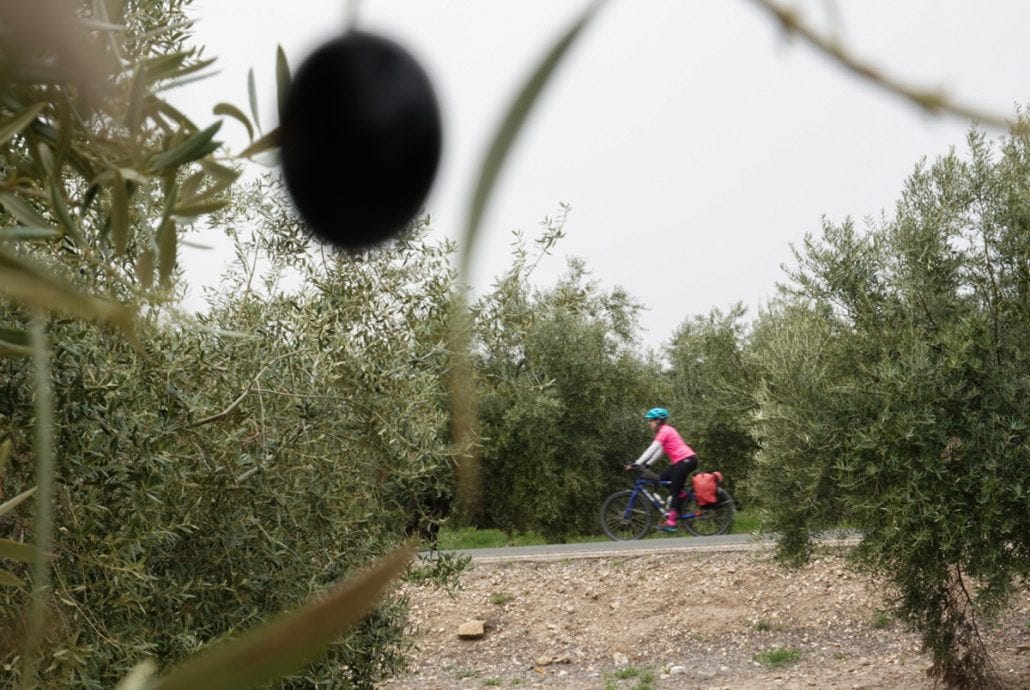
(629, 514)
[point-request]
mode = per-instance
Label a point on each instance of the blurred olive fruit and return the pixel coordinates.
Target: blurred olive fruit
(360, 139)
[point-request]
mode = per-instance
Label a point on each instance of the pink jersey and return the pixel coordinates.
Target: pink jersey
(672, 444)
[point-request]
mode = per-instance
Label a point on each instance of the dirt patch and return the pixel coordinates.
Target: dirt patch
(680, 620)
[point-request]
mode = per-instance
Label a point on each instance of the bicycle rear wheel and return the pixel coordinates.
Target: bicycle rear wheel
(711, 520)
(625, 517)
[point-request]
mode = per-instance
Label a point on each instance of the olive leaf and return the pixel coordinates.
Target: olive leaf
(199, 207)
(17, 551)
(16, 501)
(63, 144)
(197, 146)
(282, 79)
(119, 214)
(33, 287)
(64, 217)
(23, 211)
(14, 550)
(9, 579)
(22, 232)
(177, 116)
(190, 188)
(45, 157)
(223, 177)
(134, 110)
(13, 125)
(13, 343)
(232, 111)
(159, 67)
(173, 66)
(291, 642)
(265, 143)
(145, 268)
(167, 241)
(252, 95)
(194, 201)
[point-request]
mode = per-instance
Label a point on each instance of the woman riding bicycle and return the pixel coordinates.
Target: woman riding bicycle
(682, 461)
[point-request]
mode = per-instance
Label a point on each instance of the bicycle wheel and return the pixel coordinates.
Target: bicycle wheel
(712, 520)
(624, 517)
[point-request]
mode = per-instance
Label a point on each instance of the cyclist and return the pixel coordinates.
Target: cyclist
(682, 461)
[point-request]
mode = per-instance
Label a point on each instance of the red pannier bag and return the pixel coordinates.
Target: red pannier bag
(706, 487)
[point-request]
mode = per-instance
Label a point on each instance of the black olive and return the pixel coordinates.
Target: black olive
(360, 139)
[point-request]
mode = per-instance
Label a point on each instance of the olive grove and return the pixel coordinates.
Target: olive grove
(195, 476)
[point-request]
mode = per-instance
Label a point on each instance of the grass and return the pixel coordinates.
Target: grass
(644, 678)
(766, 625)
(471, 538)
(501, 598)
(491, 682)
(778, 657)
(746, 522)
(882, 619)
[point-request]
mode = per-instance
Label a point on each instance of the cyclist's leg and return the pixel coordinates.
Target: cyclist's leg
(678, 474)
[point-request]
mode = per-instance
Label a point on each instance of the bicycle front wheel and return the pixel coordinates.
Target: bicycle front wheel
(711, 520)
(625, 517)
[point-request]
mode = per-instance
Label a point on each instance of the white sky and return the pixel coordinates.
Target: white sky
(692, 141)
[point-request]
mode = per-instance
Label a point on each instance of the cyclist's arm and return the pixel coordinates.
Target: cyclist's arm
(653, 452)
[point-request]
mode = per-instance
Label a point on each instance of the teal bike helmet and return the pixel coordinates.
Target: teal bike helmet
(657, 413)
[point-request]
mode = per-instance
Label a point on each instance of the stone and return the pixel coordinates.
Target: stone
(471, 630)
(620, 659)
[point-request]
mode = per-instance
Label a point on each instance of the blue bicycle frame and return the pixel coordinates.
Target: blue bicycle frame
(640, 487)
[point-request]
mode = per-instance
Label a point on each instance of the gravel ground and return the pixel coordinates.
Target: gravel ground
(676, 620)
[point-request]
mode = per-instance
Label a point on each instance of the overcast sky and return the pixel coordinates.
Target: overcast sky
(692, 141)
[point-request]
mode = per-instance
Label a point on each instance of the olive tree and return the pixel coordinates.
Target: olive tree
(235, 465)
(100, 174)
(562, 385)
(712, 396)
(895, 395)
(202, 475)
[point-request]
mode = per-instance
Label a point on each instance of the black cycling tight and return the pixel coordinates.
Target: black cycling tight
(677, 473)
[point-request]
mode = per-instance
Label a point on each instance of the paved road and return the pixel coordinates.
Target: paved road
(550, 552)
